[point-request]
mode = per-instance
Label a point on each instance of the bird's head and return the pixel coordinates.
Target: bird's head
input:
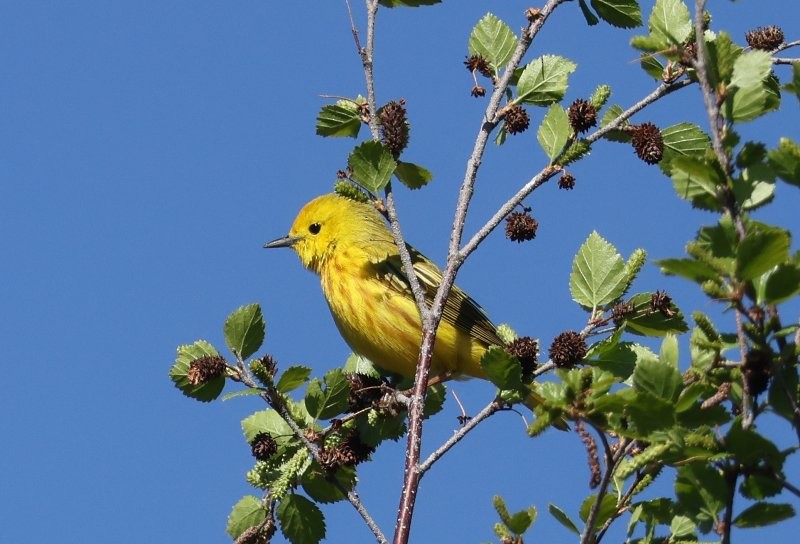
(324, 224)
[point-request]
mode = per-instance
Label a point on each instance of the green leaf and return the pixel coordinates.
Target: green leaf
(244, 330)
(544, 80)
(751, 68)
(554, 131)
(598, 273)
(591, 18)
(204, 392)
(751, 448)
(785, 161)
(493, 40)
(522, 520)
(330, 400)
(691, 269)
(374, 427)
(292, 378)
(502, 369)
(755, 187)
(266, 421)
(340, 119)
(681, 527)
(658, 379)
(608, 507)
(702, 493)
(782, 284)
(747, 103)
(760, 251)
(683, 140)
(301, 521)
(434, 400)
(243, 393)
(762, 514)
(722, 53)
(669, 351)
(412, 175)
(648, 414)
(696, 181)
(246, 513)
(616, 135)
(326, 487)
(670, 22)
(357, 364)
(407, 3)
(652, 66)
(758, 486)
(372, 165)
(646, 322)
(562, 518)
(619, 13)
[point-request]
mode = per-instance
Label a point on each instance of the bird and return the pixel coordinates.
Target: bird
(349, 245)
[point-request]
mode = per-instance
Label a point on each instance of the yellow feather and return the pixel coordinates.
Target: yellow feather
(350, 246)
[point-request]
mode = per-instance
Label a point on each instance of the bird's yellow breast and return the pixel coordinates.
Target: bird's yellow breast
(382, 323)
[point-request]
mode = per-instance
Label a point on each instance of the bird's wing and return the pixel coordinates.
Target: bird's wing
(459, 309)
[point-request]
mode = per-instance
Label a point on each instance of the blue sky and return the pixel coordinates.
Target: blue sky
(147, 151)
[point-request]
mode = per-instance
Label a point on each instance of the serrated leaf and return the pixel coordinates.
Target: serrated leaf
(246, 513)
(412, 175)
(657, 378)
(544, 80)
(619, 13)
(653, 323)
(292, 378)
(502, 369)
(616, 135)
(493, 40)
(691, 269)
(748, 103)
(562, 518)
(607, 508)
(301, 520)
(204, 392)
(598, 273)
(755, 187)
(521, 521)
(554, 131)
(782, 284)
(372, 165)
(326, 487)
(702, 492)
(683, 140)
(751, 68)
(762, 514)
(652, 66)
(266, 421)
(243, 393)
(670, 21)
(244, 330)
(358, 364)
(328, 400)
(591, 18)
(434, 400)
(696, 181)
(339, 120)
(681, 527)
(785, 161)
(760, 251)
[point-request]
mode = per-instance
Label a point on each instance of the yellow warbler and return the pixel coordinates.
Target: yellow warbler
(350, 246)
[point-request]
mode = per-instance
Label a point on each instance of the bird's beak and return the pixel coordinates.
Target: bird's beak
(286, 241)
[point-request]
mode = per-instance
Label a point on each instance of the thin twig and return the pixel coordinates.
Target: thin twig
(548, 172)
(612, 460)
(786, 45)
(274, 399)
(709, 96)
(780, 60)
(731, 476)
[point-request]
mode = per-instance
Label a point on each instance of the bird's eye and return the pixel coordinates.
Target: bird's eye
(314, 228)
